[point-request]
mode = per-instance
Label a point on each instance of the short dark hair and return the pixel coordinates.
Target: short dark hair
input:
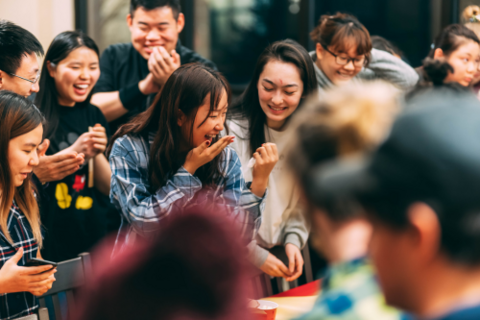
(16, 42)
(153, 4)
(383, 44)
(451, 38)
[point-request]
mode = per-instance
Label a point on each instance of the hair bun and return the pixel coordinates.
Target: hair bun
(471, 14)
(436, 70)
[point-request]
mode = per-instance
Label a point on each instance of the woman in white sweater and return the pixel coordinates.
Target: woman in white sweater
(283, 76)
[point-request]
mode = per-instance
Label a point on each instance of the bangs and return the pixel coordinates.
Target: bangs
(347, 38)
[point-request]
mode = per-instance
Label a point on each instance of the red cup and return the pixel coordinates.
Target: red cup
(264, 310)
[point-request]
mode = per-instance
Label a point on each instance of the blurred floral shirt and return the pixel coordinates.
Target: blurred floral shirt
(350, 291)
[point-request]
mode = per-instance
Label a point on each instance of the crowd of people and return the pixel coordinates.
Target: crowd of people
(348, 148)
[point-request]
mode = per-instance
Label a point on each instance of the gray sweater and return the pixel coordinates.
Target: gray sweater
(382, 65)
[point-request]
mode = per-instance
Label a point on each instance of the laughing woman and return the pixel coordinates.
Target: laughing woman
(74, 213)
(21, 129)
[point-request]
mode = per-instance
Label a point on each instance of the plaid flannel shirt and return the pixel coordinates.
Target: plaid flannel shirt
(350, 291)
(18, 304)
(142, 211)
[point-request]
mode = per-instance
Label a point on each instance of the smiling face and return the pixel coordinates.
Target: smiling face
(22, 154)
(465, 62)
(75, 76)
(338, 74)
(280, 89)
(154, 28)
(29, 69)
(206, 126)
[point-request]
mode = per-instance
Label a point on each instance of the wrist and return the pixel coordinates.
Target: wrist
(190, 168)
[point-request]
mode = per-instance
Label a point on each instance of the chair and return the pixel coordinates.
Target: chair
(71, 274)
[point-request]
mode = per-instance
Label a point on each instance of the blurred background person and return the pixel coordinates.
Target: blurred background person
(383, 44)
(345, 122)
(344, 52)
(471, 17)
(460, 48)
(194, 269)
(260, 119)
(132, 73)
(75, 208)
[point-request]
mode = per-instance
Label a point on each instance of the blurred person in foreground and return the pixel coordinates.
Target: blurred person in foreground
(194, 269)
(420, 190)
(346, 121)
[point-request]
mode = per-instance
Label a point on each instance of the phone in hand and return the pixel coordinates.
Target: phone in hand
(34, 262)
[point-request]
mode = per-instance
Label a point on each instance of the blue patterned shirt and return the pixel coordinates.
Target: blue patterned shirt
(17, 304)
(350, 291)
(143, 211)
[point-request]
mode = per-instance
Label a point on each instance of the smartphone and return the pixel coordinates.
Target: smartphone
(34, 262)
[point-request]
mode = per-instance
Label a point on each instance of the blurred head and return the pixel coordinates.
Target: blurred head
(345, 122)
(283, 77)
(190, 109)
(471, 17)
(18, 51)
(155, 23)
(383, 44)
(343, 47)
(69, 73)
(21, 130)
(194, 269)
(460, 47)
(420, 189)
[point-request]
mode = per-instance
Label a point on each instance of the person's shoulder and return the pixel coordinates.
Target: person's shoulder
(238, 126)
(128, 143)
(188, 56)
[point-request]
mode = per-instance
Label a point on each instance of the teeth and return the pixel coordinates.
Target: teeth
(277, 109)
(82, 86)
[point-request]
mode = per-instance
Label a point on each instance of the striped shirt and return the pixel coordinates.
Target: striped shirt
(17, 304)
(143, 211)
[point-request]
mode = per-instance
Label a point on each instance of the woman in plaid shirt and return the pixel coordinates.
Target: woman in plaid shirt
(21, 129)
(171, 157)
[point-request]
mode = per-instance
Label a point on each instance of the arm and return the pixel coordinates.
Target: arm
(245, 207)
(102, 174)
(130, 190)
(385, 66)
(296, 229)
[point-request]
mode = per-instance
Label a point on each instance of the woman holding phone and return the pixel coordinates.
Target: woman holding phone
(21, 130)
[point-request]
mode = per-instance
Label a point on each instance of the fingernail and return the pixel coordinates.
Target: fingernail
(208, 143)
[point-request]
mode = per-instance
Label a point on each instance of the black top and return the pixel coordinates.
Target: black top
(74, 216)
(123, 68)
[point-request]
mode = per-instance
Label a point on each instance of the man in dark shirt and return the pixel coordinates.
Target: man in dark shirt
(133, 73)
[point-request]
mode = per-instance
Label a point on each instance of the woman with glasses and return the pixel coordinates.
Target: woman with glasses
(344, 52)
(260, 120)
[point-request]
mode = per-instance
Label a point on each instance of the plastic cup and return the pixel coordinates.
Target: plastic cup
(264, 310)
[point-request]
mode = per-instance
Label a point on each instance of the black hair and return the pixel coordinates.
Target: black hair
(248, 106)
(383, 44)
(153, 4)
(451, 38)
(47, 98)
(16, 42)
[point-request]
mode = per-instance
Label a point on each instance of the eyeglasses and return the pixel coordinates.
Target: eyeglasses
(31, 81)
(343, 61)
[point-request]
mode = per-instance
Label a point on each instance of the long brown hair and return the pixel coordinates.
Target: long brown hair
(185, 90)
(248, 106)
(18, 116)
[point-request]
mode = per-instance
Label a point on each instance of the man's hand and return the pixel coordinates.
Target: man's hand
(295, 261)
(58, 166)
(162, 64)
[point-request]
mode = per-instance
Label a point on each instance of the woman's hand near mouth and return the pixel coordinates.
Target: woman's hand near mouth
(202, 154)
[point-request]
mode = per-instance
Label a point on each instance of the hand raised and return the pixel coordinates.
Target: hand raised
(162, 64)
(265, 159)
(202, 154)
(36, 280)
(58, 166)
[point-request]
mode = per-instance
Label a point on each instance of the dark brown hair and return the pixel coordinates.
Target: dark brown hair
(248, 106)
(185, 90)
(452, 37)
(18, 116)
(335, 30)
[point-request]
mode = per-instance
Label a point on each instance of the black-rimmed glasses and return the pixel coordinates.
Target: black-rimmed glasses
(31, 81)
(343, 61)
